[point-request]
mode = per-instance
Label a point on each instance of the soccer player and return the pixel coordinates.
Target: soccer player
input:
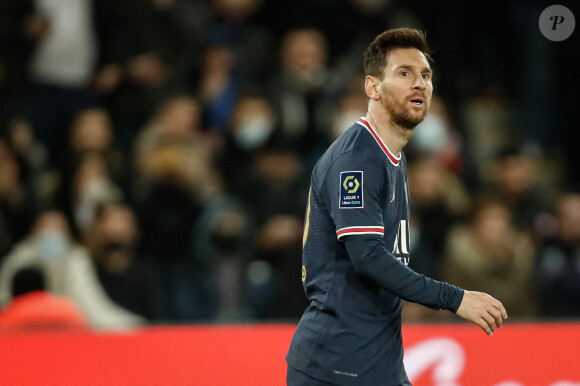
(356, 237)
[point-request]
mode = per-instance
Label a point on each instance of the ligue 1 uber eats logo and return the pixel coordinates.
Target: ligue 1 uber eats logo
(351, 190)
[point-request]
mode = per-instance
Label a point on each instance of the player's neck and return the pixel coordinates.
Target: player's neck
(394, 136)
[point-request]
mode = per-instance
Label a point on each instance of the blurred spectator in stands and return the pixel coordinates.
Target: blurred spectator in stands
(223, 245)
(17, 204)
(176, 178)
(217, 87)
(91, 186)
(242, 26)
(558, 260)
(20, 27)
(33, 159)
(304, 91)
(64, 58)
(32, 307)
(93, 168)
(276, 292)
(517, 181)
(133, 76)
(250, 130)
(112, 243)
(172, 146)
(92, 132)
(490, 253)
(178, 31)
(68, 271)
(439, 201)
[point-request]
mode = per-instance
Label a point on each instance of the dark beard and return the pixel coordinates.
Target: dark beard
(406, 120)
(401, 116)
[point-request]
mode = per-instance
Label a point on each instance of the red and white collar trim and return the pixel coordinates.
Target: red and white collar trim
(366, 124)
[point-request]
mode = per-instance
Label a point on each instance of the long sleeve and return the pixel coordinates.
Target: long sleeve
(371, 259)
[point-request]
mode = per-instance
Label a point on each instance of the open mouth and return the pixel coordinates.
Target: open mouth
(417, 101)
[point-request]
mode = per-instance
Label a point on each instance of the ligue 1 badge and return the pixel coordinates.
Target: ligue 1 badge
(351, 190)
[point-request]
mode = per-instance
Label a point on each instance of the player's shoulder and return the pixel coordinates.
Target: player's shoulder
(356, 144)
(354, 150)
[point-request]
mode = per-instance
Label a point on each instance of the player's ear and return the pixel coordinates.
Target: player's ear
(372, 87)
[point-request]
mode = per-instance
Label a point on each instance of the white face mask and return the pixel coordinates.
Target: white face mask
(253, 133)
(431, 134)
(51, 244)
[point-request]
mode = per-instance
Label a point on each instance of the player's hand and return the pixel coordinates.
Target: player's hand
(483, 310)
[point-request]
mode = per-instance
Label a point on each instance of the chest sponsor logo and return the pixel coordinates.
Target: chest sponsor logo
(351, 190)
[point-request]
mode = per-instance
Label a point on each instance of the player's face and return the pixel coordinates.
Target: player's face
(406, 87)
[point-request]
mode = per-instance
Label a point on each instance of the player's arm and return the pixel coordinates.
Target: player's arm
(371, 260)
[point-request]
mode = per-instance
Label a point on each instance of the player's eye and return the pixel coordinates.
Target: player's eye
(426, 75)
(404, 73)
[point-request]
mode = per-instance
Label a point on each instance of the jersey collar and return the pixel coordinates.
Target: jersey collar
(393, 158)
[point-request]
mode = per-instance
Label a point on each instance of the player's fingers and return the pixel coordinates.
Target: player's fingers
(498, 305)
(489, 320)
(484, 326)
(496, 314)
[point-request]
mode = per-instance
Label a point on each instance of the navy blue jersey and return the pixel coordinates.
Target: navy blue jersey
(355, 256)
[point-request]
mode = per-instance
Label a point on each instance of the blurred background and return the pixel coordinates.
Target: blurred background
(155, 155)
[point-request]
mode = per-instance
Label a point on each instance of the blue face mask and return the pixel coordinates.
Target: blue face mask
(51, 244)
(430, 134)
(253, 133)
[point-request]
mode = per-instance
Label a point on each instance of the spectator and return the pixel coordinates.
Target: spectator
(304, 91)
(490, 253)
(112, 243)
(17, 204)
(176, 178)
(246, 30)
(223, 245)
(517, 180)
(439, 200)
(92, 132)
(91, 186)
(68, 271)
(59, 81)
(20, 28)
(33, 159)
(558, 259)
(133, 75)
(172, 146)
(250, 131)
(217, 87)
(178, 31)
(274, 184)
(32, 307)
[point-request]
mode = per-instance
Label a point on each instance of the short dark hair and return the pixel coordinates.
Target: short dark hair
(375, 56)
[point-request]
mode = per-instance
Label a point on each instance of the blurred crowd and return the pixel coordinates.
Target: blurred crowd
(155, 156)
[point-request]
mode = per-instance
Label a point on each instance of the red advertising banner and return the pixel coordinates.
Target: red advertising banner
(542, 354)
(515, 355)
